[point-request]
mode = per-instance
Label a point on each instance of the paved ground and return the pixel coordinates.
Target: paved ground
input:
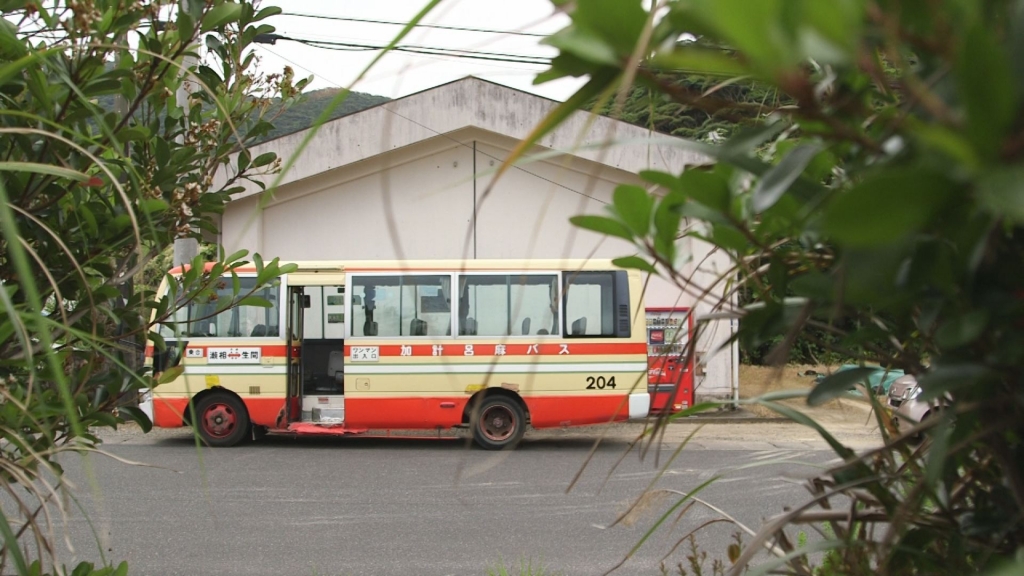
(358, 506)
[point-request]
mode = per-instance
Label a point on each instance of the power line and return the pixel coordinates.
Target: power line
(437, 26)
(410, 48)
(444, 52)
(466, 54)
(446, 136)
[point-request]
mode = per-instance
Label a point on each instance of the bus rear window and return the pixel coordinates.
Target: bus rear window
(597, 304)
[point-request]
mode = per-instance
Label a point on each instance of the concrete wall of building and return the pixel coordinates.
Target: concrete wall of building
(412, 179)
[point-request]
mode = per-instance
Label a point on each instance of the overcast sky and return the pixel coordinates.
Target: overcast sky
(399, 74)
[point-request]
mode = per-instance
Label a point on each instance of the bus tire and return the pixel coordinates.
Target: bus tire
(499, 423)
(221, 419)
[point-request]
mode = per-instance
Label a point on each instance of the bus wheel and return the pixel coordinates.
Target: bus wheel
(500, 423)
(222, 420)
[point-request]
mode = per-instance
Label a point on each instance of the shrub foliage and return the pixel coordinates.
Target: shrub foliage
(881, 205)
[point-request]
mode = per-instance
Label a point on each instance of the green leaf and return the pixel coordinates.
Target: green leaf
(162, 152)
(243, 160)
(153, 205)
(221, 15)
(255, 301)
(157, 338)
(264, 159)
(636, 263)
(987, 87)
(12, 69)
(774, 184)
(697, 211)
(1000, 191)
(11, 46)
(88, 218)
(235, 256)
(800, 418)
(186, 26)
(728, 237)
(603, 225)
(634, 205)
(839, 22)
(618, 22)
(838, 384)
(886, 206)
(756, 29)
(267, 12)
(945, 140)
(695, 60)
(133, 134)
(962, 329)
(170, 375)
(45, 169)
(663, 179)
(708, 188)
(666, 224)
(583, 45)
(136, 415)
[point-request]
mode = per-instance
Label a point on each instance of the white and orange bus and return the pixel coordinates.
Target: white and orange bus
(347, 347)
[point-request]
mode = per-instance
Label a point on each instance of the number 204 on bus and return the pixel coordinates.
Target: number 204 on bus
(489, 346)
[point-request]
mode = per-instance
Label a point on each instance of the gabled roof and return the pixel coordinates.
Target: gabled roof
(474, 103)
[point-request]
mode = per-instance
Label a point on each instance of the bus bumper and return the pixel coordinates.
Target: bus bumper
(639, 405)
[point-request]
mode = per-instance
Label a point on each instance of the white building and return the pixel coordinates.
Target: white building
(414, 178)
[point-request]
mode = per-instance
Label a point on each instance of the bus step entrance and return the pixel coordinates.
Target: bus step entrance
(323, 409)
(329, 415)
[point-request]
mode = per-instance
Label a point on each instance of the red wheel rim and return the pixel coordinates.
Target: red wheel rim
(219, 420)
(497, 423)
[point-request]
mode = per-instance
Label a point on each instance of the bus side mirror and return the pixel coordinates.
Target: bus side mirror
(305, 301)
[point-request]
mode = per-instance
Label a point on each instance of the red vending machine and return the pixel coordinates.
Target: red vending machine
(668, 334)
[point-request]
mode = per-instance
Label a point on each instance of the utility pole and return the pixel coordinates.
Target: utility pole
(185, 249)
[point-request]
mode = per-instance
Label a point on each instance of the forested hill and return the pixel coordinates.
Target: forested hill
(641, 108)
(302, 114)
(744, 103)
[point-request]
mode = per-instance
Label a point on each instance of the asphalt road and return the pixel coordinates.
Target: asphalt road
(362, 506)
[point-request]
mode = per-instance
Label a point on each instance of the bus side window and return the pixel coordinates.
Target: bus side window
(405, 305)
(508, 304)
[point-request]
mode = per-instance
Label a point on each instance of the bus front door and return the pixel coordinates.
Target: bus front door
(323, 355)
(297, 303)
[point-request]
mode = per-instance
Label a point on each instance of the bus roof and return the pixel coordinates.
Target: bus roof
(340, 266)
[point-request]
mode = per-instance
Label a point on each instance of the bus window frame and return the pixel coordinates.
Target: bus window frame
(618, 282)
(556, 272)
(350, 278)
(282, 311)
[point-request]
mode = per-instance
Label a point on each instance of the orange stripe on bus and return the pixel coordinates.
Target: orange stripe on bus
(515, 349)
(446, 411)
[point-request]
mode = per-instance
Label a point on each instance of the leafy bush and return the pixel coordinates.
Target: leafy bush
(883, 208)
(88, 197)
